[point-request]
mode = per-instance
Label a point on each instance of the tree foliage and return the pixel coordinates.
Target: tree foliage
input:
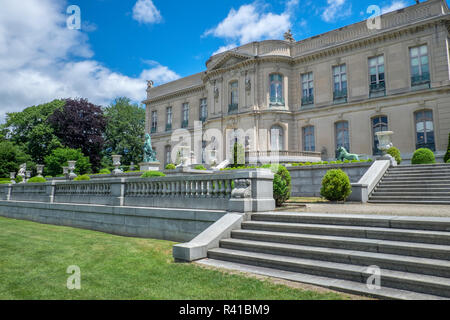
(11, 157)
(81, 125)
(125, 130)
(58, 159)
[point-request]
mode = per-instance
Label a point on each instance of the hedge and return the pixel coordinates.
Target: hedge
(37, 180)
(151, 174)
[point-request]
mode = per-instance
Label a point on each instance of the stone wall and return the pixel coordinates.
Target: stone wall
(307, 180)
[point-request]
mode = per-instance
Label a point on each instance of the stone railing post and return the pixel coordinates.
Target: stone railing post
(8, 192)
(118, 192)
(253, 191)
(50, 191)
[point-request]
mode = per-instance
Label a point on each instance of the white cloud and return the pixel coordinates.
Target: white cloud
(40, 60)
(251, 23)
(145, 11)
(395, 5)
(337, 9)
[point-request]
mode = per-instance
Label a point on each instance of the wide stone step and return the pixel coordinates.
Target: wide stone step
(402, 201)
(431, 237)
(420, 167)
(419, 198)
(408, 193)
(396, 222)
(326, 282)
(434, 285)
(418, 179)
(430, 251)
(425, 184)
(433, 171)
(418, 174)
(417, 189)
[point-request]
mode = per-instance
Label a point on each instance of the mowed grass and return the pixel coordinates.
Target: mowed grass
(34, 259)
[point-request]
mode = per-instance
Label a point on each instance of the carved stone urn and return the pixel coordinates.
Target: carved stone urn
(385, 141)
(116, 163)
(40, 170)
(72, 174)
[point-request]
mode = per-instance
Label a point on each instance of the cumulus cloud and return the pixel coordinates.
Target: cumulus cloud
(145, 11)
(251, 23)
(40, 60)
(395, 5)
(336, 9)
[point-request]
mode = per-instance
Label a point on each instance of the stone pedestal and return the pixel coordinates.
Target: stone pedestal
(149, 166)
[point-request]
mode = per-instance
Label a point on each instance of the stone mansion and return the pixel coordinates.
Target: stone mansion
(312, 96)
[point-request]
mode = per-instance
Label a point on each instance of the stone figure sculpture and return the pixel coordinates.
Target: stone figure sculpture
(344, 155)
(149, 153)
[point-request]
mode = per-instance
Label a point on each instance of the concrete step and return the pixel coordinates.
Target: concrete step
(402, 201)
(417, 189)
(421, 166)
(430, 251)
(431, 237)
(433, 285)
(441, 175)
(396, 222)
(424, 184)
(419, 198)
(420, 171)
(381, 192)
(416, 179)
(352, 287)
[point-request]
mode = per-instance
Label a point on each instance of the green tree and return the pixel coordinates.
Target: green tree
(58, 159)
(11, 157)
(125, 130)
(31, 129)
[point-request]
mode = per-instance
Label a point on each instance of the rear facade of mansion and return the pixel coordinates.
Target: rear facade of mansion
(310, 97)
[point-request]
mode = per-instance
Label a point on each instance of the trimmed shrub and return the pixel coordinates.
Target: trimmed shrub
(170, 166)
(281, 183)
(104, 171)
(152, 174)
(336, 186)
(200, 167)
(84, 177)
(423, 156)
(447, 155)
(37, 180)
(395, 153)
(18, 179)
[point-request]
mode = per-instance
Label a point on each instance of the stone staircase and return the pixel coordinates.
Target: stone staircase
(420, 184)
(335, 251)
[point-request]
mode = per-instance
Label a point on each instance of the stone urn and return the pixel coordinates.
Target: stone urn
(28, 175)
(40, 170)
(385, 141)
(116, 163)
(72, 174)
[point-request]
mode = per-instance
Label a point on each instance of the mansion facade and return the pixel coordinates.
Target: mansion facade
(310, 97)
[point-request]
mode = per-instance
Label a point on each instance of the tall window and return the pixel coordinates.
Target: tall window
(379, 123)
(185, 121)
(203, 109)
(234, 97)
(167, 155)
(340, 83)
(154, 121)
(276, 90)
(420, 70)
(307, 89)
(277, 138)
(342, 135)
(425, 130)
(376, 75)
(309, 143)
(169, 119)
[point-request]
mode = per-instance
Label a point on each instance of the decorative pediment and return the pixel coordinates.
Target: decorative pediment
(229, 59)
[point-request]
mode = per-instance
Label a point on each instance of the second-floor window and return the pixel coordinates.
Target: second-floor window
(276, 90)
(234, 96)
(154, 121)
(203, 109)
(376, 75)
(309, 139)
(185, 121)
(169, 119)
(340, 83)
(307, 89)
(420, 69)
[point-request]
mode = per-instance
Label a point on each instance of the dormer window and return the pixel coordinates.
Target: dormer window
(276, 90)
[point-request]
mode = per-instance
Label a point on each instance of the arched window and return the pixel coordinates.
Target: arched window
(379, 123)
(342, 135)
(425, 130)
(277, 138)
(309, 143)
(276, 89)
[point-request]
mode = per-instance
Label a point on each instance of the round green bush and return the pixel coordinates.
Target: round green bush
(84, 177)
(18, 179)
(104, 171)
(281, 183)
(170, 166)
(423, 156)
(395, 153)
(200, 167)
(37, 180)
(336, 186)
(152, 174)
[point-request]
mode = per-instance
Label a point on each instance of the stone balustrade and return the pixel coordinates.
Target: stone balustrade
(236, 191)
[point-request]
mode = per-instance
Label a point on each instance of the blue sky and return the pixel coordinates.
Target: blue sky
(122, 43)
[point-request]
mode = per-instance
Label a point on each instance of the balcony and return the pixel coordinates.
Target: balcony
(308, 100)
(169, 127)
(377, 89)
(340, 96)
(153, 129)
(422, 80)
(233, 108)
(185, 124)
(263, 157)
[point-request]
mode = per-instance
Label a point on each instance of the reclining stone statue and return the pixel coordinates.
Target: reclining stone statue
(344, 155)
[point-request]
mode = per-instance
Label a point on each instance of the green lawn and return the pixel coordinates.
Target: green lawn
(34, 259)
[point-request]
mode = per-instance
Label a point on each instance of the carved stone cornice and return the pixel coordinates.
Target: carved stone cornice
(175, 94)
